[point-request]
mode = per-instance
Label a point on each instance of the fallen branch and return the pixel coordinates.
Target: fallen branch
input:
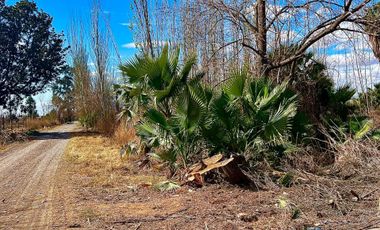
(370, 193)
(153, 219)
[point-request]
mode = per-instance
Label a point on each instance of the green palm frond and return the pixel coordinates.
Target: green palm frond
(279, 122)
(167, 91)
(189, 111)
(375, 135)
(174, 59)
(360, 127)
(134, 69)
(259, 87)
(188, 65)
(156, 117)
(154, 75)
(270, 97)
(149, 133)
(343, 94)
(234, 87)
(219, 107)
(169, 156)
(198, 94)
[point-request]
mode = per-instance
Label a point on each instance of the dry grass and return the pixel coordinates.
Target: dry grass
(40, 123)
(125, 133)
(97, 158)
(358, 158)
(97, 185)
(106, 125)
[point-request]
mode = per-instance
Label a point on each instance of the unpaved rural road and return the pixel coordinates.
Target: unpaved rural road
(27, 180)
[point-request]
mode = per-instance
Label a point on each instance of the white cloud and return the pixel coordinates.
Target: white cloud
(130, 45)
(352, 59)
(359, 69)
(338, 60)
(134, 45)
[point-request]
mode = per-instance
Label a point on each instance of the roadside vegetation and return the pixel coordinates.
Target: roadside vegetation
(181, 120)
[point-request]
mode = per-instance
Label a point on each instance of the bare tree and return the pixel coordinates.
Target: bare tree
(100, 45)
(82, 80)
(144, 25)
(229, 34)
(315, 19)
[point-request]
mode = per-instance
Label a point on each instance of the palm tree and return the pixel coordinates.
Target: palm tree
(153, 82)
(167, 98)
(180, 116)
(250, 114)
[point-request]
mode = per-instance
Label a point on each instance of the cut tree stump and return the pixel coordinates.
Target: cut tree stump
(228, 167)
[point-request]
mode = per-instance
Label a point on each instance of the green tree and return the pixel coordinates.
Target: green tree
(30, 108)
(63, 98)
(32, 53)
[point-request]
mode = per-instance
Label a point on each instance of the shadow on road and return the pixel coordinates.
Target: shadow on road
(59, 135)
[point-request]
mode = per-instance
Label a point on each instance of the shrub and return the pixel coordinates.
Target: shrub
(155, 88)
(373, 96)
(180, 116)
(106, 125)
(252, 116)
(179, 119)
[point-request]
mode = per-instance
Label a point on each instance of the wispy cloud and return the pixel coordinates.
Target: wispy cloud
(128, 24)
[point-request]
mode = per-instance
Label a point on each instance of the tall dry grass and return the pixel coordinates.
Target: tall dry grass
(125, 133)
(46, 121)
(106, 123)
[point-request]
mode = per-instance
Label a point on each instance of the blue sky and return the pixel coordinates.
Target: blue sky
(63, 11)
(119, 12)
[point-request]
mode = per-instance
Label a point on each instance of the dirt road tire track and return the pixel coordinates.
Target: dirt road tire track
(27, 181)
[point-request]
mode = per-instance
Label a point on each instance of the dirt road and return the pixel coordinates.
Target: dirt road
(27, 180)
